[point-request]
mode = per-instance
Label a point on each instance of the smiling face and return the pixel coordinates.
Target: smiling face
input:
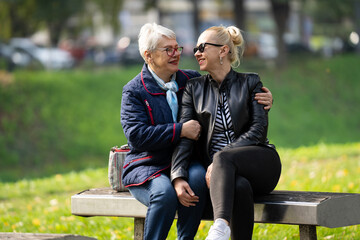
(209, 59)
(159, 61)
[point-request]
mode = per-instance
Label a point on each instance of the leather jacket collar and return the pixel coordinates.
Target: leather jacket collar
(231, 75)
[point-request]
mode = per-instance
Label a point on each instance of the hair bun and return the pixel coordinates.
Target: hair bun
(235, 34)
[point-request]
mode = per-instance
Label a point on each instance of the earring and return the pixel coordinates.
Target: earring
(221, 61)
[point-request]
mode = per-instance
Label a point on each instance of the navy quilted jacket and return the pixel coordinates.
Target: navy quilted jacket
(148, 126)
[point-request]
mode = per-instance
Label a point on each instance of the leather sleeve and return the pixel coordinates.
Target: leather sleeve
(183, 150)
(257, 131)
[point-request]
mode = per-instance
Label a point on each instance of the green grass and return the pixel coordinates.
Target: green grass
(47, 118)
(43, 205)
(316, 101)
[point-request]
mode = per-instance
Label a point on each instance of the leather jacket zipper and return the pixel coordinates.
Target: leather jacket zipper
(213, 123)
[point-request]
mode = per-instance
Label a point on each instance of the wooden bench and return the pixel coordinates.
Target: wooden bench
(42, 236)
(306, 209)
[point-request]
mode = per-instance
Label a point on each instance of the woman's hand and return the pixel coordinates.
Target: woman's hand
(208, 175)
(265, 98)
(191, 129)
(184, 193)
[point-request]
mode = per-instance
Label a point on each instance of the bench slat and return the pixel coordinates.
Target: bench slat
(283, 207)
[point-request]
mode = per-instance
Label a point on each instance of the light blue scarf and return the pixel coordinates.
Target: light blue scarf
(171, 88)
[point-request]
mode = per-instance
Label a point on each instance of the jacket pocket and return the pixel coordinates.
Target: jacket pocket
(150, 112)
(136, 159)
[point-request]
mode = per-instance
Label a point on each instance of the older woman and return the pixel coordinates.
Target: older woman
(233, 144)
(149, 111)
(148, 115)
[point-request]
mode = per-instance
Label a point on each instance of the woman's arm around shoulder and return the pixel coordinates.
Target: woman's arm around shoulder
(258, 121)
(183, 150)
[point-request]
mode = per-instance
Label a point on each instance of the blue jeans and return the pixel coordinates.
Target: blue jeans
(160, 197)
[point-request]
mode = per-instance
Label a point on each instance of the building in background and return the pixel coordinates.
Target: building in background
(178, 15)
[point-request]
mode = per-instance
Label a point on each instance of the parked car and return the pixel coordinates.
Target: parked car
(124, 52)
(25, 53)
(262, 45)
(130, 55)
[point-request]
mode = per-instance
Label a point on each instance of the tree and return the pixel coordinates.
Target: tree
(55, 14)
(16, 17)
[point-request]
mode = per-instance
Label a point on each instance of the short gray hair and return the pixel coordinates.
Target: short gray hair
(149, 36)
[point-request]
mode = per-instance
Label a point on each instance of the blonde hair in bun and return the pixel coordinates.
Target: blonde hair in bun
(232, 37)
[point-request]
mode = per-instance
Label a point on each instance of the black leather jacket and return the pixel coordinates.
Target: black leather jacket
(200, 102)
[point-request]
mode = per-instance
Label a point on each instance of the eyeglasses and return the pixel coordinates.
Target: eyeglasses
(201, 47)
(171, 51)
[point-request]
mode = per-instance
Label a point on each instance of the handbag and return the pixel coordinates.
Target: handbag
(116, 163)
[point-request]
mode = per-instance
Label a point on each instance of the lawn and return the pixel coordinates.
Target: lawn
(43, 205)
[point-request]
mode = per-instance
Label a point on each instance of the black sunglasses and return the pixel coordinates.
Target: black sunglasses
(201, 47)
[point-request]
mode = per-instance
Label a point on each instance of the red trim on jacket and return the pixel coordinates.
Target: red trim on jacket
(142, 80)
(135, 160)
(173, 133)
(184, 74)
(150, 111)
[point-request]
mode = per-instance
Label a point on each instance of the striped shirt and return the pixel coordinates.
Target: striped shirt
(223, 133)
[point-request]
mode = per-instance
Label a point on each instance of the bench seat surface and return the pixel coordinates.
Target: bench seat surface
(284, 207)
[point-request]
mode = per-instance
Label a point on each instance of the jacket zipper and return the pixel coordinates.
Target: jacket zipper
(213, 125)
(150, 112)
(155, 176)
(135, 160)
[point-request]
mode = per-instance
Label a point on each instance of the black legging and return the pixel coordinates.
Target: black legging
(237, 175)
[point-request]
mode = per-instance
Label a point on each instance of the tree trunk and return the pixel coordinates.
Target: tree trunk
(239, 14)
(55, 31)
(281, 10)
(196, 19)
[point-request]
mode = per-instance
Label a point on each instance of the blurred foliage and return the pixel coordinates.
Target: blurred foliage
(22, 18)
(333, 11)
(332, 17)
(43, 205)
(17, 18)
(54, 13)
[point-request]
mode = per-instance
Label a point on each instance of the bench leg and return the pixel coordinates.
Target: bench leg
(139, 228)
(307, 232)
